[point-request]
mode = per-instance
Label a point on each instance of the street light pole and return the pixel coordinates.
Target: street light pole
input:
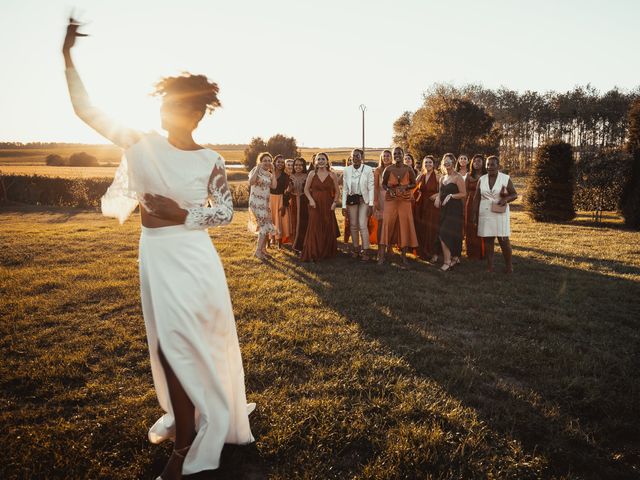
(363, 107)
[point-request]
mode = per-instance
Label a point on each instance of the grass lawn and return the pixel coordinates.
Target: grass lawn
(358, 371)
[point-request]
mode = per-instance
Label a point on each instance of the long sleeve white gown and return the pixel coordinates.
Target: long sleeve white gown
(185, 299)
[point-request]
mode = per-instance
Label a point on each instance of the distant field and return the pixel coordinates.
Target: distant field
(32, 161)
(234, 175)
(106, 154)
(32, 156)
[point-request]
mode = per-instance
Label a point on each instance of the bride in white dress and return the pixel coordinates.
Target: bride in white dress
(193, 345)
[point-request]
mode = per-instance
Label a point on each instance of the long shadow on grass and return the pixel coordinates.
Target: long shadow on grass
(615, 266)
(609, 221)
(546, 331)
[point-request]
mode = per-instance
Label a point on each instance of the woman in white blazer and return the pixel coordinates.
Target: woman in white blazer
(357, 201)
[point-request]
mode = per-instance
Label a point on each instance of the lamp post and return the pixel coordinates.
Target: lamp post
(363, 107)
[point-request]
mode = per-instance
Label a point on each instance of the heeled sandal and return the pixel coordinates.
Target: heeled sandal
(180, 453)
(448, 267)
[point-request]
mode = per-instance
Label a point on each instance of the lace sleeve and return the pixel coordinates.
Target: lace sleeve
(221, 210)
(119, 201)
(96, 118)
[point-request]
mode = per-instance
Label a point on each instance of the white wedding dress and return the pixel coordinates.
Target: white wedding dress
(185, 299)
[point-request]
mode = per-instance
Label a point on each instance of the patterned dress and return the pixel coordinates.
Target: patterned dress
(259, 209)
(299, 205)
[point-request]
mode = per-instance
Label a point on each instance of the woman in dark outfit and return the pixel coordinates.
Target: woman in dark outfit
(450, 202)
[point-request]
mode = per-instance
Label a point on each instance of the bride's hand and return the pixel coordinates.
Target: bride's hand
(72, 33)
(163, 207)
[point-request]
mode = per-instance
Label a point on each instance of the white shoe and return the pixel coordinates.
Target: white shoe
(163, 429)
(250, 408)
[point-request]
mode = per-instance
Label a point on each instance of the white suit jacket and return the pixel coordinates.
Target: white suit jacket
(366, 184)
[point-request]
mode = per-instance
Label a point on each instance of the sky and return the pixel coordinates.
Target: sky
(298, 67)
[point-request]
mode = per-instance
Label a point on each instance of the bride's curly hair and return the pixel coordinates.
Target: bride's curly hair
(196, 90)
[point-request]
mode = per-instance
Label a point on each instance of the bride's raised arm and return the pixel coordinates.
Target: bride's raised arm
(94, 117)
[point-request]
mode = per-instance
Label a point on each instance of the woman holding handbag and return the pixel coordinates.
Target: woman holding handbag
(491, 211)
(357, 202)
(398, 180)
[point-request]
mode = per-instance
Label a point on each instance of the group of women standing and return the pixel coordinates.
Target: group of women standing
(429, 211)
(295, 208)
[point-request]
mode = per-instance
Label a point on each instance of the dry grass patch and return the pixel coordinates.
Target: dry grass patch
(358, 371)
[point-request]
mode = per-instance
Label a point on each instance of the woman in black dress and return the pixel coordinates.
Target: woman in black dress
(450, 202)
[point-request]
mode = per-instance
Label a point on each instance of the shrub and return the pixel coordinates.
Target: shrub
(83, 159)
(55, 160)
(550, 192)
(77, 192)
(54, 191)
(600, 178)
(630, 201)
(240, 194)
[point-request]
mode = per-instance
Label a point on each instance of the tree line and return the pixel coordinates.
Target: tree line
(474, 119)
(276, 145)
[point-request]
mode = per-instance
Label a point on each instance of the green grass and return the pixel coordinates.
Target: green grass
(358, 371)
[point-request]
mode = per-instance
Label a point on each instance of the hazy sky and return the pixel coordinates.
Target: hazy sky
(299, 67)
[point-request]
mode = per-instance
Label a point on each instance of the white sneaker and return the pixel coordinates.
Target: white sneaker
(163, 429)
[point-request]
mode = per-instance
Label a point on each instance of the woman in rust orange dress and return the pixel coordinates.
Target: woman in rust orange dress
(279, 215)
(347, 227)
(322, 191)
(299, 203)
(379, 192)
(473, 243)
(398, 180)
(427, 216)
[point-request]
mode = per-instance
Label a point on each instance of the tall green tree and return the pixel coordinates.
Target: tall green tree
(401, 129)
(583, 117)
(451, 124)
(282, 145)
(630, 201)
(256, 146)
(549, 194)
